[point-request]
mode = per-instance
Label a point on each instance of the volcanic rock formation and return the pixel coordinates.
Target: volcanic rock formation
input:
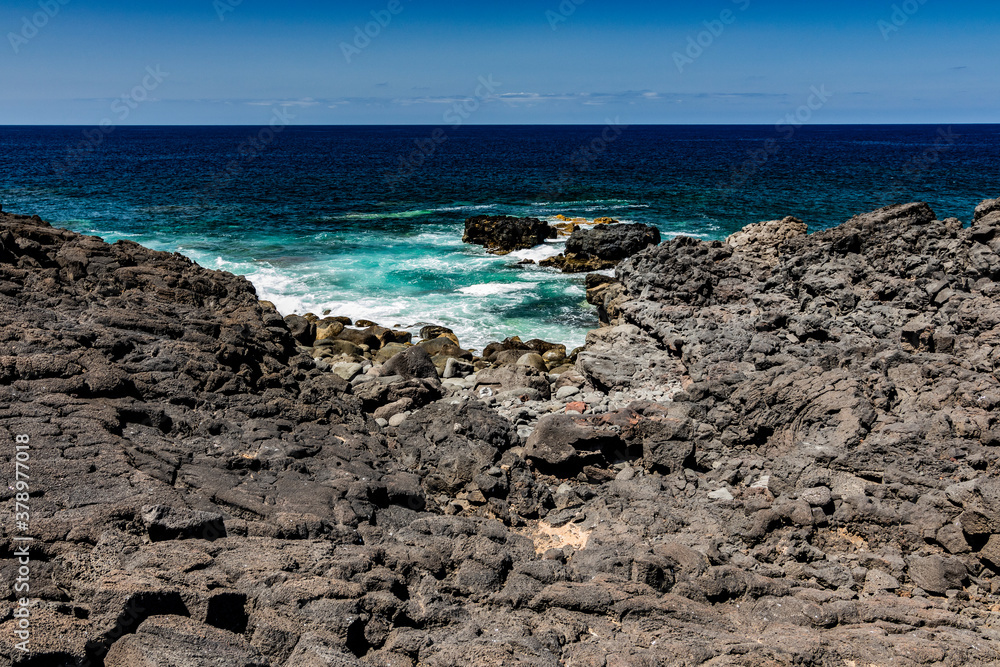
(777, 452)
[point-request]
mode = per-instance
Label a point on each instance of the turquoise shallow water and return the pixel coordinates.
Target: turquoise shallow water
(323, 219)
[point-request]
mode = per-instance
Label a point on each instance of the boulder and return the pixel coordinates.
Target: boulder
(513, 344)
(533, 360)
(389, 351)
(328, 328)
(501, 380)
(392, 389)
(937, 574)
(502, 235)
(765, 239)
(562, 444)
(432, 331)
(361, 337)
(337, 348)
(450, 444)
(444, 346)
(303, 331)
(182, 642)
(603, 247)
(413, 362)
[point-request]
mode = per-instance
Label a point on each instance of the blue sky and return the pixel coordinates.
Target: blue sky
(551, 61)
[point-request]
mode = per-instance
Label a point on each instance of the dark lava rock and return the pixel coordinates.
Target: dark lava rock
(603, 247)
(562, 443)
(502, 235)
(413, 362)
(612, 242)
(449, 444)
(787, 459)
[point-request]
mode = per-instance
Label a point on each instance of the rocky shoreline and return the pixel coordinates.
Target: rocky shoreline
(777, 450)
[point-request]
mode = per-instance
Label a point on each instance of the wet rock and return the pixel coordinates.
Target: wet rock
(502, 235)
(603, 247)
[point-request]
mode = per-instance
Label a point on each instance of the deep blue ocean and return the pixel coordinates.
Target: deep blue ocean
(367, 221)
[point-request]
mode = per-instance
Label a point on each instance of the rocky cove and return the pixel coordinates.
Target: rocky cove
(778, 450)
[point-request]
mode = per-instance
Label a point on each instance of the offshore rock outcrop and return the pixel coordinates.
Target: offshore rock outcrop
(503, 234)
(602, 247)
(779, 453)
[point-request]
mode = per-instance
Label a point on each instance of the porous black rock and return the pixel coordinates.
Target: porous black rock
(502, 235)
(785, 456)
(603, 247)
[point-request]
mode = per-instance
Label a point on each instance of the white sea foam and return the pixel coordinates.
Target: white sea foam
(491, 289)
(470, 207)
(538, 253)
(396, 215)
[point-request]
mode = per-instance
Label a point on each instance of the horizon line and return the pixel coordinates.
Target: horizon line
(156, 125)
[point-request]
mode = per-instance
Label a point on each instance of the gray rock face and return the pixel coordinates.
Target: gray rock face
(765, 240)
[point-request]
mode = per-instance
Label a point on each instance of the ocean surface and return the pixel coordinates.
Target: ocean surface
(367, 221)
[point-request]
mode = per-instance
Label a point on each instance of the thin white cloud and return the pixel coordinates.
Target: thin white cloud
(304, 102)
